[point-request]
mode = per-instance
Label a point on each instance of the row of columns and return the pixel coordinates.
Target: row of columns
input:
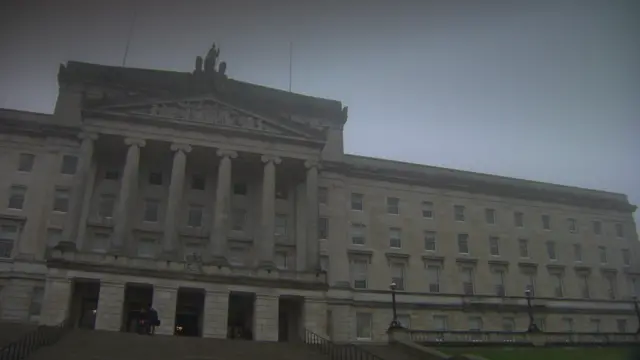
(222, 209)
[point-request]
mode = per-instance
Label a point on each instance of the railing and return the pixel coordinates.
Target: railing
(337, 351)
(474, 338)
(32, 341)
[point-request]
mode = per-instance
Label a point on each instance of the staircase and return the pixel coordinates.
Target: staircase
(12, 331)
(388, 352)
(106, 345)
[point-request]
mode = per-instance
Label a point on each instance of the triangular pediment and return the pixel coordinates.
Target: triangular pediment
(213, 112)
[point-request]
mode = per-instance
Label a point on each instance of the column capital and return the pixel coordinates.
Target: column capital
(135, 141)
(313, 163)
(227, 153)
(185, 148)
(271, 158)
(87, 135)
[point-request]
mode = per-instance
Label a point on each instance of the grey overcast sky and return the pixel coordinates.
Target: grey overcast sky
(546, 90)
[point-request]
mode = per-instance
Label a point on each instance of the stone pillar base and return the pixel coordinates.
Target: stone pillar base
(265, 322)
(164, 301)
(216, 311)
(110, 302)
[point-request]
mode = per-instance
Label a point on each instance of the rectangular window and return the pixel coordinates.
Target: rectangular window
(498, 282)
(584, 286)
(356, 201)
(612, 289)
(405, 320)
(518, 219)
(195, 215)
(558, 285)
(61, 200)
(146, 247)
(363, 326)
(458, 212)
(494, 246)
(551, 250)
(430, 241)
(508, 324)
(595, 325)
(463, 243)
(238, 219)
(546, 222)
(530, 281)
(577, 252)
(397, 275)
(17, 195)
(323, 228)
(433, 277)
(393, 206)
(281, 260)
(523, 245)
(240, 189)
(475, 323)
(281, 192)
(323, 195)
(427, 209)
(567, 324)
(572, 225)
(626, 257)
(359, 273)
(597, 227)
(281, 225)
(440, 322)
(357, 234)
(106, 205)
(25, 162)
(151, 208)
(619, 230)
(621, 325)
(395, 238)
(490, 216)
(237, 256)
(155, 178)
(198, 182)
(324, 263)
(37, 296)
(53, 237)
(112, 174)
(466, 274)
(8, 237)
(100, 242)
(69, 165)
(602, 253)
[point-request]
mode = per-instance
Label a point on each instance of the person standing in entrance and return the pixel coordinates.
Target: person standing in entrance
(153, 320)
(143, 321)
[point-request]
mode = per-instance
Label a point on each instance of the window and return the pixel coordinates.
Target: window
(558, 285)
(357, 234)
(155, 178)
(612, 289)
(53, 237)
(467, 281)
(147, 247)
(530, 283)
(323, 228)
(323, 195)
(634, 286)
(281, 192)
(281, 225)
(237, 256)
(192, 251)
(597, 229)
(397, 275)
(498, 282)
(463, 243)
(198, 182)
(430, 240)
(356, 201)
(518, 219)
(595, 325)
(490, 216)
(195, 215)
(151, 208)
(25, 162)
(546, 222)
(405, 320)
(240, 189)
(16, 197)
(577, 252)
(427, 209)
(433, 278)
(100, 242)
(105, 205)
(494, 246)
(393, 206)
(458, 212)
(61, 200)
(112, 175)
(602, 253)
(37, 296)
(584, 286)
(621, 325)
(508, 324)
(69, 165)
(573, 225)
(359, 273)
(440, 322)
(626, 257)
(619, 230)
(475, 323)
(363, 326)
(238, 218)
(281, 260)
(324, 263)
(542, 323)
(567, 324)
(8, 237)
(551, 250)
(523, 245)
(395, 238)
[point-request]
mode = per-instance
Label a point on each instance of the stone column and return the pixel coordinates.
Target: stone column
(110, 302)
(216, 310)
(315, 315)
(267, 220)
(80, 181)
(176, 189)
(222, 208)
(313, 251)
(56, 302)
(86, 208)
(265, 323)
(164, 301)
(128, 187)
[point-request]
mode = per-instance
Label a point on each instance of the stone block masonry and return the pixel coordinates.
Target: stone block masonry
(216, 307)
(164, 301)
(266, 318)
(110, 301)
(315, 316)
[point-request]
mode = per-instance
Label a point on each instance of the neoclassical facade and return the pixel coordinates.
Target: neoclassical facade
(227, 204)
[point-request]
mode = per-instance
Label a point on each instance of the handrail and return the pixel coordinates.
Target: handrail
(522, 337)
(42, 336)
(335, 351)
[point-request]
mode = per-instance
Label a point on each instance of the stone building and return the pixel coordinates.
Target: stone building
(228, 204)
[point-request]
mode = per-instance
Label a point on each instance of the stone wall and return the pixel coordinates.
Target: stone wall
(110, 302)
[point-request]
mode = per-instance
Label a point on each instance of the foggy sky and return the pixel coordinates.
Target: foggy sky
(543, 90)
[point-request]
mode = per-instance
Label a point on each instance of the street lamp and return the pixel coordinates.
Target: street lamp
(635, 306)
(532, 325)
(394, 323)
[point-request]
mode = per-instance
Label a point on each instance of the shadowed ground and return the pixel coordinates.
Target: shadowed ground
(547, 353)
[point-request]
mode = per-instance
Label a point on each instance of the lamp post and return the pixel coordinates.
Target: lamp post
(394, 323)
(532, 325)
(635, 306)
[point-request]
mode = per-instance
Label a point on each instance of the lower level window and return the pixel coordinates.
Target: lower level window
(363, 325)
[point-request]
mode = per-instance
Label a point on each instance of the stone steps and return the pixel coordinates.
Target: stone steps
(104, 345)
(12, 331)
(388, 352)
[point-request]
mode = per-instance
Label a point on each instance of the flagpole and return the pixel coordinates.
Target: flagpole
(126, 49)
(290, 62)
